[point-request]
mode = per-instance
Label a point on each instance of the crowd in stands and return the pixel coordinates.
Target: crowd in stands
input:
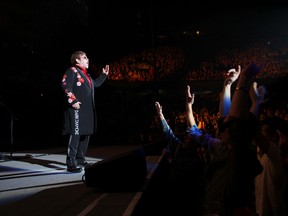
(141, 66)
(274, 62)
(163, 62)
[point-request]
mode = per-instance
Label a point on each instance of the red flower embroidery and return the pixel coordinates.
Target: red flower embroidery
(81, 80)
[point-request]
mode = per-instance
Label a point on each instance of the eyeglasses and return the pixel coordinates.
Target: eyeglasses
(84, 57)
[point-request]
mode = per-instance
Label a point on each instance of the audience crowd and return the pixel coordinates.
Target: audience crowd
(163, 62)
(246, 173)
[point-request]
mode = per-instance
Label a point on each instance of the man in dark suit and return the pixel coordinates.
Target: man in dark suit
(80, 120)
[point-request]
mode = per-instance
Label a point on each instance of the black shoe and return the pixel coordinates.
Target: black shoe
(74, 169)
(84, 164)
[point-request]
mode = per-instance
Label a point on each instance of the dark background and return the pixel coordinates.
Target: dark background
(50, 29)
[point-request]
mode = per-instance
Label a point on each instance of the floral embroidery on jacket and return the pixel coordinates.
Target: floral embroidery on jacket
(79, 77)
(80, 80)
(71, 97)
(64, 79)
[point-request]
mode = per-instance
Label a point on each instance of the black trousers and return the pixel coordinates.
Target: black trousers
(77, 148)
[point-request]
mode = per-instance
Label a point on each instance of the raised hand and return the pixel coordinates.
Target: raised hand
(189, 97)
(257, 94)
(106, 70)
(232, 75)
(158, 108)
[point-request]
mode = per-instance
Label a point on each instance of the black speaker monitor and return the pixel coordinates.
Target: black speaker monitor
(123, 172)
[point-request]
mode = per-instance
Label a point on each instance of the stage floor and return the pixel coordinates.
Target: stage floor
(37, 183)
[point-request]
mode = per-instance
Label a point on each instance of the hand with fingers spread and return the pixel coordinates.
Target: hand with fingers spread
(106, 70)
